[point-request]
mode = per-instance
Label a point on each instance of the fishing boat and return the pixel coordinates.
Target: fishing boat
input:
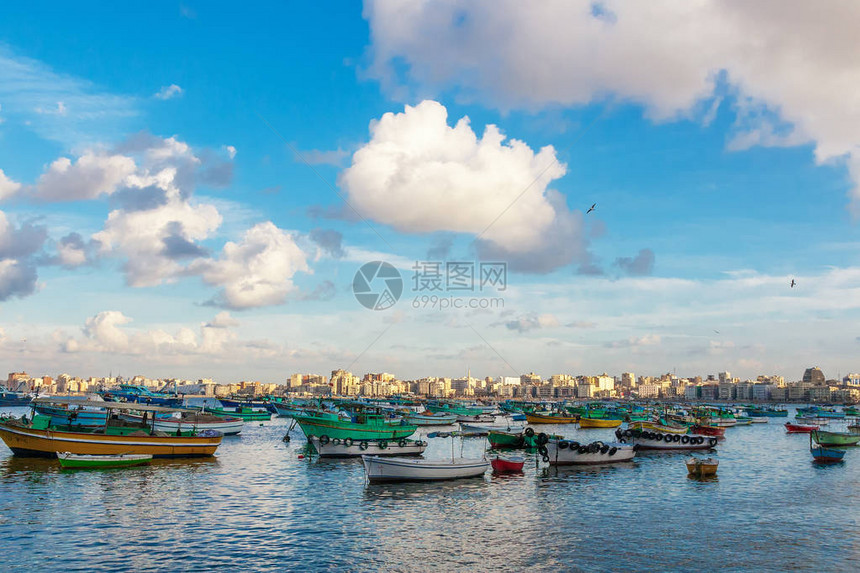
(36, 437)
(363, 426)
(338, 448)
(550, 418)
(702, 467)
(11, 399)
(823, 438)
(650, 440)
(192, 421)
(800, 428)
(69, 460)
(475, 430)
(823, 454)
(243, 412)
(397, 469)
(72, 415)
(706, 430)
(568, 453)
(476, 419)
(428, 418)
(507, 464)
(598, 423)
(141, 395)
(658, 427)
(759, 420)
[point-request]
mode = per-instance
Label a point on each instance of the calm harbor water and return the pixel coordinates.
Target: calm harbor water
(257, 506)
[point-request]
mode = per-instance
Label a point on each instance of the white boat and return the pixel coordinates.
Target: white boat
(571, 453)
(482, 430)
(761, 420)
(192, 421)
(379, 469)
(430, 419)
(338, 448)
(478, 419)
(651, 440)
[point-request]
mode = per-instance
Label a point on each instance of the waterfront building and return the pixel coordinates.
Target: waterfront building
(813, 375)
(851, 380)
(628, 380)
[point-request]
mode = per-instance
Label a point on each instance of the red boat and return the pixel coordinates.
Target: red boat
(708, 430)
(799, 428)
(508, 464)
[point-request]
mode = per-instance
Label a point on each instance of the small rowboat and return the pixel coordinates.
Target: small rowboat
(68, 460)
(834, 438)
(379, 469)
(507, 464)
(550, 418)
(598, 423)
(702, 467)
(827, 455)
(799, 428)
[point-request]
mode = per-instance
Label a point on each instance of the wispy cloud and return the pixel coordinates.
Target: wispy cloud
(60, 107)
(169, 92)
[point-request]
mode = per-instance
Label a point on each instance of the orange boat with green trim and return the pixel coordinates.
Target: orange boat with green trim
(36, 437)
(549, 418)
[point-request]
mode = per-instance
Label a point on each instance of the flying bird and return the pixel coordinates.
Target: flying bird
(792, 283)
(717, 331)
(590, 209)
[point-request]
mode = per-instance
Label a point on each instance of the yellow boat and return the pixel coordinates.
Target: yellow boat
(658, 427)
(35, 437)
(702, 467)
(547, 418)
(598, 423)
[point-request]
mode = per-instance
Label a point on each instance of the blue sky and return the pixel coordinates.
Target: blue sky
(160, 222)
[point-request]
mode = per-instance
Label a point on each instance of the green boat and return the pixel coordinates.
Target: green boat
(243, 412)
(68, 460)
(823, 438)
(362, 426)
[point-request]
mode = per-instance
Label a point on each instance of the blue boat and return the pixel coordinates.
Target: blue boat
(141, 395)
(72, 416)
(9, 398)
(824, 455)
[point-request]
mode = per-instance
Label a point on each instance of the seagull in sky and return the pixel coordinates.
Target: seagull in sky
(717, 331)
(590, 209)
(792, 283)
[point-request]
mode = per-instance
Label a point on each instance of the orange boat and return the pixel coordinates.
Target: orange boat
(36, 437)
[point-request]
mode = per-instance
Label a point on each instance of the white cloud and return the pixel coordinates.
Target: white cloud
(793, 59)
(87, 178)
(7, 186)
(532, 321)
(169, 92)
(257, 271)
(418, 174)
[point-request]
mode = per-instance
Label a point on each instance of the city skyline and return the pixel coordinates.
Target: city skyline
(202, 213)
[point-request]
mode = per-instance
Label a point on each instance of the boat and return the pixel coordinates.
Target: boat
(650, 440)
(69, 460)
(337, 448)
(800, 428)
(658, 427)
(823, 454)
(474, 430)
(12, 399)
(598, 423)
(567, 452)
(759, 420)
(243, 412)
(142, 395)
(477, 418)
(549, 418)
(823, 438)
(192, 421)
(428, 418)
(362, 426)
(854, 429)
(811, 420)
(72, 415)
(706, 430)
(507, 464)
(397, 469)
(702, 467)
(36, 437)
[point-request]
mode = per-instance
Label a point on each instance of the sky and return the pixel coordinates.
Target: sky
(193, 189)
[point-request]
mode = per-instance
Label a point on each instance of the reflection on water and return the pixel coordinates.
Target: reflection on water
(258, 506)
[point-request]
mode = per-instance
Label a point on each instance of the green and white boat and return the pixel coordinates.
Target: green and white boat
(360, 426)
(823, 438)
(68, 460)
(243, 412)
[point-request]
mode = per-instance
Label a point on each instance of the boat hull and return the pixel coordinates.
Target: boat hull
(661, 441)
(338, 448)
(534, 418)
(834, 438)
(398, 469)
(656, 427)
(827, 455)
(702, 468)
(68, 460)
(227, 426)
(701, 430)
(431, 420)
(31, 442)
(799, 428)
(335, 428)
(567, 456)
(594, 423)
(507, 465)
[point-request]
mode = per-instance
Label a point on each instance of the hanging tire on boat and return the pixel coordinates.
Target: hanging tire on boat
(676, 438)
(593, 448)
(542, 439)
(667, 438)
(545, 459)
(617, 433)
(363, 445)
(627, 433)
(685, 439)
(604, 449)
(712, 442)
(529, 432)
(574, 445)
(623, 440)
(323, 439)
(582, 449)
(543, 451)
(700, 440)
(612, 450)
(347, 442)
(636, 447)
(402, 443)
(383, 444)
(563, 444)
(335, 442)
